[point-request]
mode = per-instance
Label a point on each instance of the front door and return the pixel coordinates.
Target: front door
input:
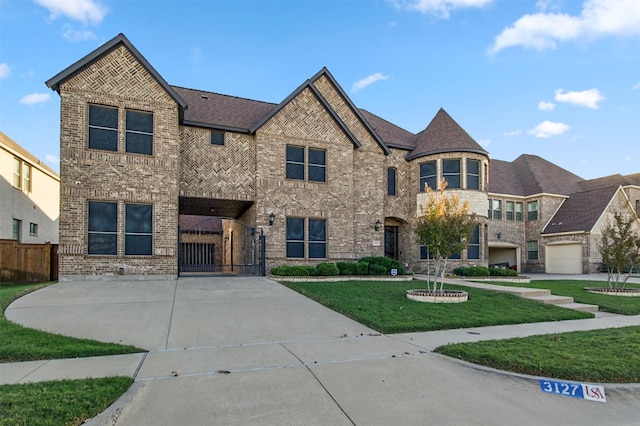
(391, 241)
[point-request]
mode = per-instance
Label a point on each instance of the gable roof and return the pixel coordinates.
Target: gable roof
(392, 135)
(443, 134)
(581, 211)
(503, 178)
(54, 82)
(617, 180)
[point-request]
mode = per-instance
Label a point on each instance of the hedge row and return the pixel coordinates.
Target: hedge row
(371, 265)
(483, 271)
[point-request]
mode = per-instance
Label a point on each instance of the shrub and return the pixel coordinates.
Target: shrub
(377, 269)
(362, 268)
(472, 271)
(347, 268)
(293, 271)
(500, 272)
(327, 269)
(386, 262)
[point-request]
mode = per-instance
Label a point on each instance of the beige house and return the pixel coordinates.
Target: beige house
(29, 196)
(165, 180)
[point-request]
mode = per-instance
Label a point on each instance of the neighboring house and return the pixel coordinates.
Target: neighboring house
(29, 196)
(319, 178)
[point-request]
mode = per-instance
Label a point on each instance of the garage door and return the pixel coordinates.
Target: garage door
(564, 259)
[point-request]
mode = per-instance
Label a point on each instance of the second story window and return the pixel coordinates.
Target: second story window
(21, 175)
(451, 173)
(532, 210)
(315, 164)
(508, 210)
(391, 181)
(473, 174)
(518, 211)
(428, 176)
(495, 209)
(217, 138)
(139, 132)
(103, 127)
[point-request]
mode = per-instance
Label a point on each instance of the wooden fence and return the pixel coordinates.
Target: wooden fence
(28, 263)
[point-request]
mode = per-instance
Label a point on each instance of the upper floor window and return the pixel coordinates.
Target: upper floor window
(139, 132)
(451, 173)
(33, 229)
(518, 211)
(21, 175)
(508, 210)
(473, 174)
(495, 209)
(316, 164)
(217, 138)
(103, 130)
(532, 210)
(103, 127)
(391, 181)
(428, 176)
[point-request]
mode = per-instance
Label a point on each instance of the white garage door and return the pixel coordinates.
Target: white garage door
(564, 259)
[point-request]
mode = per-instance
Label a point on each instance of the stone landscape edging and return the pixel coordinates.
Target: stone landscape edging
(337, 278)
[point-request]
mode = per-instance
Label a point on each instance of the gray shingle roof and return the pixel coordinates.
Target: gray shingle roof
(443, 134)
(581, 211)
(503, 178)
(207, 109)
(392, 135)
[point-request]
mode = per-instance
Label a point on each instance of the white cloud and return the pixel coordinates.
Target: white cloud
(52, 159)
(598, 18)
(546, 106)
(512, 133)
(85, 11)
(361, 84)
(636, 86)
(586, 98)
(35, 98)
(78, 35)
(4, 70)
(546, 129)
(440, 8)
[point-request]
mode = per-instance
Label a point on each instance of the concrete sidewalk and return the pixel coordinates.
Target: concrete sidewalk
(250, 351)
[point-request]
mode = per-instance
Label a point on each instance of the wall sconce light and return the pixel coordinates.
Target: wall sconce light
(272, 218)
(499, 235)
(377, 225)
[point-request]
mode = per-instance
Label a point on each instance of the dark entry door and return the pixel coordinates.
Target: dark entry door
(391, 241)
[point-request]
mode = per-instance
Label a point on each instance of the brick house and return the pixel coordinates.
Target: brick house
(321, 179)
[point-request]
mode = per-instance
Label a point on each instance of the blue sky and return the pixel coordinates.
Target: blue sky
(559, 79)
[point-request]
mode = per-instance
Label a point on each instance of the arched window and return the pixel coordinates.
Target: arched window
(391, 181)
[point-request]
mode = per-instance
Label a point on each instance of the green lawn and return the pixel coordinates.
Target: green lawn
(384, 307)
(58, 403)
(18, 343)
(615, 304)
(606, 356)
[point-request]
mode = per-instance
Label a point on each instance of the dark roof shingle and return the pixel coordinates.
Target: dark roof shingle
(581, 211)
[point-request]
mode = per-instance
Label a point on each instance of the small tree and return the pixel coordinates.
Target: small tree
(620, 249)
(444, 226)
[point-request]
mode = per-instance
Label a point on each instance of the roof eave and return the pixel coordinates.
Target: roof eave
(54, 82)
(442, 151)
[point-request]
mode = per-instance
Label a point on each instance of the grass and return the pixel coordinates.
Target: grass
(62, 402)
(18, 343)
(601, 356)
(616, 304)
(384, 307)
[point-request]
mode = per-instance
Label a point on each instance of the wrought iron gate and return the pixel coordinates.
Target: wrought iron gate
(221, 246)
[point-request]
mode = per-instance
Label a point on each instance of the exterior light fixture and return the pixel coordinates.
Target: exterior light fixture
(272, 218)
(377, 225)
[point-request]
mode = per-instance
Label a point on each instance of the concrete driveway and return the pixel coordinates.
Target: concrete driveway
(243, 351)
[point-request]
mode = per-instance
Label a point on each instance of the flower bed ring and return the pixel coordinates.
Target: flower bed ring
(444, 296)
(627, 292)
